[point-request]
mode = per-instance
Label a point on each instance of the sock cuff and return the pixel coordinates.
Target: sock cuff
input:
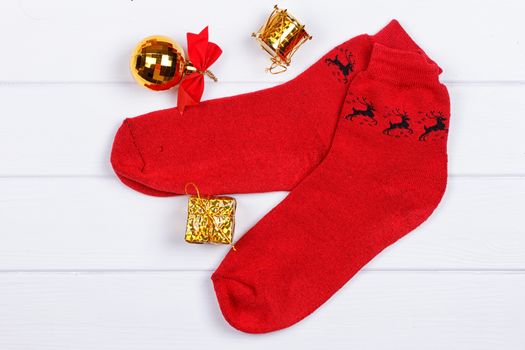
(395, 36)
(402, 67)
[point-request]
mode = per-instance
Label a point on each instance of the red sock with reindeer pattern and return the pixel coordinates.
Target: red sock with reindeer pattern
(384, 174)
(266, 140)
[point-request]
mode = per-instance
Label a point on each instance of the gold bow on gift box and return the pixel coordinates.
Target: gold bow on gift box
(210, 219)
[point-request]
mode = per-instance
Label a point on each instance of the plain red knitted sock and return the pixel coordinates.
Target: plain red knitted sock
(384, 174)
(262, 141)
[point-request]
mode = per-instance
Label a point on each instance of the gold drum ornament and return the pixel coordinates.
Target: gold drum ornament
(281, 36)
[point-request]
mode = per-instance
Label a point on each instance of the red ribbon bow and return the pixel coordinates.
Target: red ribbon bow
(202, 54)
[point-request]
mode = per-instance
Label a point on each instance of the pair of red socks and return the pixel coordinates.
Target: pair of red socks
(359, 139)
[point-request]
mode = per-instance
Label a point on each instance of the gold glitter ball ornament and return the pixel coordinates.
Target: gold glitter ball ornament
(158, 63)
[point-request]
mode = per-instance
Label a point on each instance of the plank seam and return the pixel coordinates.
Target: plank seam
(111, 176)
(146, 271)
(81, 82)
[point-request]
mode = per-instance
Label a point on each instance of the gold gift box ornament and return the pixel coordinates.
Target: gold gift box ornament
(210, 219)
(281, 36)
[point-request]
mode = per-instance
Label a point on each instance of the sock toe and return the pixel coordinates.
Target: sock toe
(126, 158)
(239, 305)
(137, 186)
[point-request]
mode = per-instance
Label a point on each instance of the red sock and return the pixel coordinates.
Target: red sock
(384, 175)
(262, 141)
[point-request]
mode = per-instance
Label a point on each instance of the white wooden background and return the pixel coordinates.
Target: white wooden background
(86, 263)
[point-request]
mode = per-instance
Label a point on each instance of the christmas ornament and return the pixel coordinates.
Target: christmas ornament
(210, 219)
(158, 63)
(281, 36)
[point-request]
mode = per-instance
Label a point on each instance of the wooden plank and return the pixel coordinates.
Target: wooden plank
(68, 129)
(177, 310)
(60, 40)
(97, 223)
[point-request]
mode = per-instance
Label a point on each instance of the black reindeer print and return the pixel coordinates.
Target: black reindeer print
(368, 112)
(401, 126)
(438, 126)
(344, 68)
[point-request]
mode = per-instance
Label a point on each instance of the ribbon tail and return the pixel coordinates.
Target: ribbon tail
(190, 91)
